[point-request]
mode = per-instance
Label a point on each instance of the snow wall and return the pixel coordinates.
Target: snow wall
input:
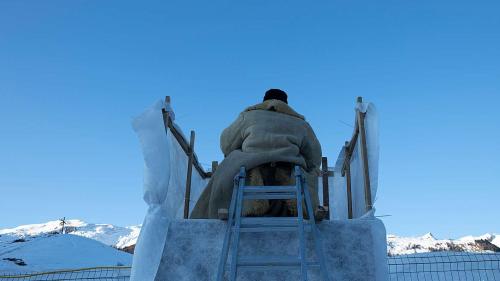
(351, 248)
(165, 180)
(165, 170)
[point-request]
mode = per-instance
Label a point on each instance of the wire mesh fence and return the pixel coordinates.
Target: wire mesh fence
(115, 273)
(438, 266)
(445, 266)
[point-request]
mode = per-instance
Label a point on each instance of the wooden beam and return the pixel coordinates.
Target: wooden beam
(326, 190)
(166, 114)
(185, 147)
(187, 195)
(348, 185)
(351, 145)
(364, 159)
(181, 140)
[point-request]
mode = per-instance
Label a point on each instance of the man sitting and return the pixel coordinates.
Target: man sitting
(268, 139)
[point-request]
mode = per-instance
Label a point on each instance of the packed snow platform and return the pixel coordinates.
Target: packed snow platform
(173, 247)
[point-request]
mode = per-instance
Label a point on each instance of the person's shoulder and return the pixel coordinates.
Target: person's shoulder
(275, 106)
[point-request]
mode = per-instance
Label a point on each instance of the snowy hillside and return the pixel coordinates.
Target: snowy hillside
(57, 251)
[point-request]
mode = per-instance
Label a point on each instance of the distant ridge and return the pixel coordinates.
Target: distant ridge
(428, 243)
(125, 238)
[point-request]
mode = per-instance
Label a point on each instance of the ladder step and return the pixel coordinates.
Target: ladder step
(272, 267)
(265, 188)
(307, 228)
(266, 261)
(270, 224)
(269, 229)
(275, 221)
(268, 195)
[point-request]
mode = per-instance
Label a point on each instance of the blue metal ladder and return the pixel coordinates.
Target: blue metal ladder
(238, 224)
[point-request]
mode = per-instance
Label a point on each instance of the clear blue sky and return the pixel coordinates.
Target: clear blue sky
(73, 74)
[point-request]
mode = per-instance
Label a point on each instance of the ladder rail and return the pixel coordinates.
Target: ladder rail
(237, 224)
(236, 229)
(316, 234)
(300, 215)
(227, 236)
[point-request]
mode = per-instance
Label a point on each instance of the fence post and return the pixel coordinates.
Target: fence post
(364, 156)
(187, 195)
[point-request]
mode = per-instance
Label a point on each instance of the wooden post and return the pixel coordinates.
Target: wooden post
(364, 157)
(215, 165)
(326, 190)
(187, 195)
(348, 180)
(166, 114)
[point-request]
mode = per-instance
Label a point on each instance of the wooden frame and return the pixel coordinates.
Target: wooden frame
(189, 150)
(359, 132)
(181, 140)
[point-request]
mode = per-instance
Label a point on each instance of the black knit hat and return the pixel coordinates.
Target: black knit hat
(276, 94)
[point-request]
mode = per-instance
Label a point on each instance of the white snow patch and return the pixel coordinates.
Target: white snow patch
(60, 251)
(496, 240)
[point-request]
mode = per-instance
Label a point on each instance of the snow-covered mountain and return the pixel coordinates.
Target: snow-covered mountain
(115, 236)
(428, 243)
(124, 238)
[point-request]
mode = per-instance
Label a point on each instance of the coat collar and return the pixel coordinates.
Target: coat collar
(275, 105)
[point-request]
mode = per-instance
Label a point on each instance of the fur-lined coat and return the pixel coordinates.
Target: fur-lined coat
(267, 132)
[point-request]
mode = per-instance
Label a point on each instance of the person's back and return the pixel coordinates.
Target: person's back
(275, 128)
(268, 139)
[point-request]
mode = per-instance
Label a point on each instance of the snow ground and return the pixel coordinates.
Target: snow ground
(59, 251)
